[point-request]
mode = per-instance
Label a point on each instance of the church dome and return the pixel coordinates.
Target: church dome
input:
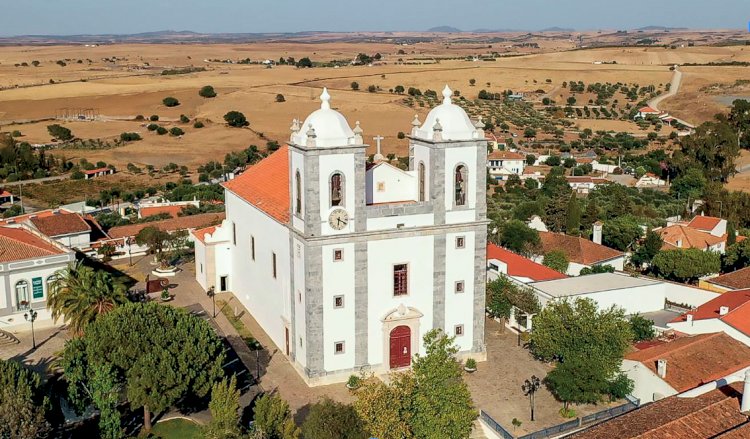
(326, 126)
(453, 120)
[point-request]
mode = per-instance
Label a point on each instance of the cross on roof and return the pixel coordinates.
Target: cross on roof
(377, 139)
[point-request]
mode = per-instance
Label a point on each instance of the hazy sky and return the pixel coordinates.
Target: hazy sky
(65, 17)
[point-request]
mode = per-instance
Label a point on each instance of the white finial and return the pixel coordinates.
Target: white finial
(357, 129)
(437, 126)
(416, 122)
(447, 93)
(325, 99)
(479, 124)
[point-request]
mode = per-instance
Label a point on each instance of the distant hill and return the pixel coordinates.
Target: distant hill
(557, 29)
(444, 29)
(663, 28)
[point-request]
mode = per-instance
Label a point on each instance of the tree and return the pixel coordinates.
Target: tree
(23, 403)
(737, 256)
(176, 131)
(713, 147)
(155, 239)
(399, 89)
(386, 409)
(236, 119)
(518, 237)
(546, 101)
(273, 418)
(573, 220)
(161, 131)
(355, 85)
(130, 137)
(690, 184)
(81, 294)
(472, 82)
(159, 355)
(225, 411)
(530, 159)
(328, 419)
(646, 251)
(621, 233)
(198, 124)
(280, 98)
(503, 294)
(556, 260)
(372, 88)
(207, 91)
(643, 328)
(571, 100)
(685, 265)
(442, 403)
(184, 119)
(553, 160)
(739, 119)
(59, 132)
(304, 62)
(597, 269)
(529, 133)
(576, 381)
(169, 101)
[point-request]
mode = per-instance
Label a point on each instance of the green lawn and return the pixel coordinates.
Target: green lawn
(177, 429)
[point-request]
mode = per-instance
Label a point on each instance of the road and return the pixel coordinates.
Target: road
(673, 89)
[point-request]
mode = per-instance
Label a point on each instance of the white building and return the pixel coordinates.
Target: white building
(70, 229)
(728, 313)
(502, 164)
(581, 252)
(345, 267)
(649, 180)
(585, 184)
(28, 261)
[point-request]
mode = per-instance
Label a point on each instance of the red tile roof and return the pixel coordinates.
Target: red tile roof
(736, 280)
(169, 225)
(705, 416)
(647, 109)
(688, 237)
(61, 223)
(577, 249)
(706, 223)
(520, 266)
(17, 244)
(505, 155)
(173, 211)
(200, 234)
(265, 185)
(696, 360)
(739, 311)
(97, 170)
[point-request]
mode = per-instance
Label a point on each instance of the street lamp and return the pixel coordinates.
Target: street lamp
(255, 345)
(529, 388)
(30, 317)
(212, 294)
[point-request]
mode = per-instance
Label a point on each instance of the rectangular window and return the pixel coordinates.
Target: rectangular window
(338, 255)
(460, 286)
(400, 279)
(460, 242)
(273, 261)
(381, 186)
(458, 330)
(338, 347)
(234, 234)
(338, 301)
(201, 267)
(300, 342)
(299, 296)
(252, 247)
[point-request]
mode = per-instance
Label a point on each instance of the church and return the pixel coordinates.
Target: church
(347, 263)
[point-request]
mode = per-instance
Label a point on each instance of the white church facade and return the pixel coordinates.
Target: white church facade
(347, 264)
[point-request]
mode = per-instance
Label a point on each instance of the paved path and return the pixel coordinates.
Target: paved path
(673, 89)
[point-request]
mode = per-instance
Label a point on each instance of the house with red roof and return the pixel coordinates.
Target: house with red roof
(28, 263)
(69, 228)
(685, 363)
(728, 312)
(645, 112)
(98, 172)
(212, 253)
(501, 164)
(734, 280)
(517, 267)
(706, 233)
(582, 253)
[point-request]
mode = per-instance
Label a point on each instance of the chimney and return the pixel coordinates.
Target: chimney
(661, 368)
(745, 404)
(723, 310)
(597, 235)
(679, 243)
(689, 318)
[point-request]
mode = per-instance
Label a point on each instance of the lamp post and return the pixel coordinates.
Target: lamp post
(212, 294)
(255, 345)
(529, 388)
(30, 317)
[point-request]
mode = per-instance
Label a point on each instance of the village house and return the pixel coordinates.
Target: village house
(650, 181)
(729, 313)
(520, 269)
(706, 233)
(734, 280)
(585, 184)
(70, 229)
(669, 368)
(645, 112)
(28, 263)
(98, 172)
(171, 208)
(346, 266)
(6, 197)
(581, 253)
(502, 164)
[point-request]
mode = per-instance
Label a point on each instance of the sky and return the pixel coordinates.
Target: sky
(70, 17)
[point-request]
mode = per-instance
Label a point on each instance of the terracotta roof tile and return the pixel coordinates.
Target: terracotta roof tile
(169, 225)
(706, 223)
(577, 249)
(173, 211)
(705, 416)
(505, 155)
(62, 223)
(738, 315)
(739, 279)
(17, 244)
(696, 360)
(647, 109)
(200, 234)
(94, 171)
(265, 185)
(688, 237)
(520, 266)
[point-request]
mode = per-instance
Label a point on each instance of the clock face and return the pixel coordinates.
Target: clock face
(338, 219)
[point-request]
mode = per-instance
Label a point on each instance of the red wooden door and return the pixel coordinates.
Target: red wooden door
(400, 347)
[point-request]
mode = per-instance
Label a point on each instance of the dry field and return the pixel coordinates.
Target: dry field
(120, 90)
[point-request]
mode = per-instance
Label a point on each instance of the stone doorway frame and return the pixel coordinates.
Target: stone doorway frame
(401, 316)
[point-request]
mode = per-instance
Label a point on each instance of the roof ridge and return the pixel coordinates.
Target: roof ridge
(693, 412)
(693, 340)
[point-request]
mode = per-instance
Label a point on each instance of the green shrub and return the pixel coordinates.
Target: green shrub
(161, 131)
(207, 91)
(198, 124)
(169, 101)
(153, 118)
(176, 131)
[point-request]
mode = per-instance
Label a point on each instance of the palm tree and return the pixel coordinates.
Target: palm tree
(80, 294)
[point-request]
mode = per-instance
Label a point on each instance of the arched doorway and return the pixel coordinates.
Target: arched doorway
(400, 351)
